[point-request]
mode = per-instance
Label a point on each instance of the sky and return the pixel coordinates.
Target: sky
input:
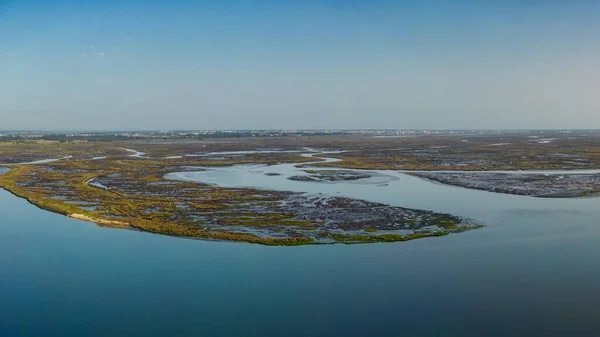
(176, 64)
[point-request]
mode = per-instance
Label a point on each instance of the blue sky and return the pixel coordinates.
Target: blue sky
(299, 64)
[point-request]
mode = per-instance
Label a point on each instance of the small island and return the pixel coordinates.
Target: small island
(331, 175)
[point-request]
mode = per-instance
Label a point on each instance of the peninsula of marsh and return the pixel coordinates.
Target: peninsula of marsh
(135, 190)
(288, 190)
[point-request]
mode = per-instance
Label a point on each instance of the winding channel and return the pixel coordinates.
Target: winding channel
(393, 188)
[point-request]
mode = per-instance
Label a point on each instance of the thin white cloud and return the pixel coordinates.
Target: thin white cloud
(94, 55)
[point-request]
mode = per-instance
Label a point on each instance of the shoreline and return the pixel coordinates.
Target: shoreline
(464, 225)
(98, 221)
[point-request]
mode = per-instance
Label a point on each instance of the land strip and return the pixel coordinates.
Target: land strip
(130, 192)
(566, 185)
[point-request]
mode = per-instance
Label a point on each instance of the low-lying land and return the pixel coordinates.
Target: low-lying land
(528, 151)
(106, 183)
(535, 185)
(470, 152)
(129, 191)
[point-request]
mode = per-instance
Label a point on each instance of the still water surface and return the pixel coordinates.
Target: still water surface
(533, 271)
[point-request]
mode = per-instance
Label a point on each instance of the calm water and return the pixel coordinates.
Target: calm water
(532, 271)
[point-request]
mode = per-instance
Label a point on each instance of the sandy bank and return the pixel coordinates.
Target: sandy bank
(98, 221)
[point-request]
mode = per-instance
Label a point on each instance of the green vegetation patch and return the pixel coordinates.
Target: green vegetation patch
(129, 192)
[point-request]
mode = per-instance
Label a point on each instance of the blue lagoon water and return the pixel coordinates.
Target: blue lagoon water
(532, 271)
